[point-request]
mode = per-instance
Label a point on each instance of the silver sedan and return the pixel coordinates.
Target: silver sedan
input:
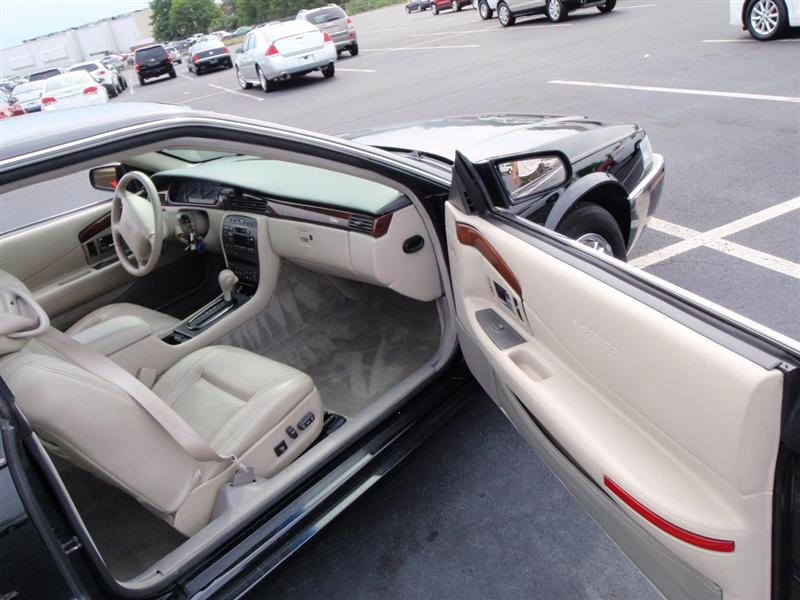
(279, 51)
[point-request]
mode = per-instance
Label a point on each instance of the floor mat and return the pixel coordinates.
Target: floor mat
(355, 340)
(129, 537)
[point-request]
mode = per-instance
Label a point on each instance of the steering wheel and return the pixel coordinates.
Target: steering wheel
(139, 222)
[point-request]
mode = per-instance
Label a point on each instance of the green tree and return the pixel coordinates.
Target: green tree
(192, 16)
(159, 20)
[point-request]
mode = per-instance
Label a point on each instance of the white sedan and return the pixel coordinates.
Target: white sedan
(765, 19)
(69, 90)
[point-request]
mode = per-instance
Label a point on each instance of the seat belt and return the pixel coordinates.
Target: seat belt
(106, 369)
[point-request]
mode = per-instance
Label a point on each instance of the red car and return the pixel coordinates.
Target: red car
(9, 108)
(454, 5)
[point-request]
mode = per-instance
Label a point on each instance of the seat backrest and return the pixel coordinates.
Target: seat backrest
(85, 419)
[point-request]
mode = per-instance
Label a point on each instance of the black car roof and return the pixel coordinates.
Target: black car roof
(40, 131)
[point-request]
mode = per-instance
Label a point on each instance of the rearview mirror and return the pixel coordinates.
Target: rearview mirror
(104, 178)
(527, 176)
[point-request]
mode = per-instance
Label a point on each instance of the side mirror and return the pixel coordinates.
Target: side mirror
(105, 178)
(524, 177)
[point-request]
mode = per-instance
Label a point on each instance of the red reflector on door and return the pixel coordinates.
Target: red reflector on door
(694, 539)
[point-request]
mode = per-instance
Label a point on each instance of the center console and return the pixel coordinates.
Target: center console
(240, 242)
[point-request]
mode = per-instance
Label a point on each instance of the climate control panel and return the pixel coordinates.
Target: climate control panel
(240, 241)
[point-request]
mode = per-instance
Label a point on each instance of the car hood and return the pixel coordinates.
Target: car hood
(482, 137)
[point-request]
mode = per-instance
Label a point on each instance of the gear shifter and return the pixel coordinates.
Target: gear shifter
(227, 280)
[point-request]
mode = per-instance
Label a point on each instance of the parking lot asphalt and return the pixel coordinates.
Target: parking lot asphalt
(725, 113)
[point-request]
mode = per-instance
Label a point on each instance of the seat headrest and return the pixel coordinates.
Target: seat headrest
(21, 317)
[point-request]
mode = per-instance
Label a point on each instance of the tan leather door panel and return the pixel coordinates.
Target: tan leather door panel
(49, 258)
(681, 431)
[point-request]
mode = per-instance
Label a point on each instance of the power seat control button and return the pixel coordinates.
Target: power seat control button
(281, 448)
(291, 432)
(307, 420)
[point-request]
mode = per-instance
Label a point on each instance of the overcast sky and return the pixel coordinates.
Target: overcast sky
(24, 19)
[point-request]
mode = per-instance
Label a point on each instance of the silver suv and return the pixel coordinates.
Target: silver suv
(333, 20)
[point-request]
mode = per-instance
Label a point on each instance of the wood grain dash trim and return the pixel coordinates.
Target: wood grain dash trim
(469, 236)
(94, 228)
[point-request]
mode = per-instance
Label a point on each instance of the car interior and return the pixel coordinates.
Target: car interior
(277, 308)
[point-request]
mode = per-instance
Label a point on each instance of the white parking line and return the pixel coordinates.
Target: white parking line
(751, 41)
(357, 70)
(487, 30)
(200, 97)
(640, 6)
(186, 77)
(714, 239)
(236, 92)
(643, 88)
(420, 48)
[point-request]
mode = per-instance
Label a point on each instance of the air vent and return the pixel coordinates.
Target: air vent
(360, 223)
(162, 197)
(246, 203)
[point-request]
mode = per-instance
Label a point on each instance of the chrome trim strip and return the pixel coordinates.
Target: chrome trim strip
(647, 181)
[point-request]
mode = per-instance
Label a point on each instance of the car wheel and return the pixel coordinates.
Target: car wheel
(504, 15)
(556, 11)
(455, 6)
(408, 11)
(172, 74)
(484, 11)
(354, 49)
(593, 226)
(329, 71)
(266, 85)
(608, 6)
(434, 10)
(242, 83)
(141, 80)
(766, 19)
(112, 91)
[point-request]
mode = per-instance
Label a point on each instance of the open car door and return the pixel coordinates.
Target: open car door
(672, 422)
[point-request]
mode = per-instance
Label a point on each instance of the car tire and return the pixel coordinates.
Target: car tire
(142, 81)
(484, 11)
(266, 84)
(504, 15)
(112, 91)
(766, 19)
(408, 11)
(172, 74)
(608, 6)
(594, 226)
(455, 6)
(353, 49)
(242, 83)
(434, 10)
(555, 11)
(329, 71)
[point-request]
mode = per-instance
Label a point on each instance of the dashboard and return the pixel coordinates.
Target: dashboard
(382, 242)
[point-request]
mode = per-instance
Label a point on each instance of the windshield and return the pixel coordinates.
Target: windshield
(43, 74)
(325, 15)
(196, 156)
(67, 80)
(89, 67)
(26, 91)
(150, 53)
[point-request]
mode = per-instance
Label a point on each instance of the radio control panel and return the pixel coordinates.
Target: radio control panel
(240, 241)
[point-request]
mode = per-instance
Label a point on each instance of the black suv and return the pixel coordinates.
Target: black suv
(153, 61)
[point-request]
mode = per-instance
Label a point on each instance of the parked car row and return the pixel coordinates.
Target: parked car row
(82, 84)
(508, 11)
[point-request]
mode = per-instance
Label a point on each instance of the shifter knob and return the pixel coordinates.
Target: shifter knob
(227, 279)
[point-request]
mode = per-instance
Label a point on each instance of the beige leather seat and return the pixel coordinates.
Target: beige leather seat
(238, 402)
(159, 323)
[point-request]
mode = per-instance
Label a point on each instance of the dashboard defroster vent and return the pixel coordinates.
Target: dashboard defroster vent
(361, 223)
(246, 203)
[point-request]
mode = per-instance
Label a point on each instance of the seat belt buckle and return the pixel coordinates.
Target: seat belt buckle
(243, 476)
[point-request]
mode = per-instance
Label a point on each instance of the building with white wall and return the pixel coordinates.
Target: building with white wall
(122, 33)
